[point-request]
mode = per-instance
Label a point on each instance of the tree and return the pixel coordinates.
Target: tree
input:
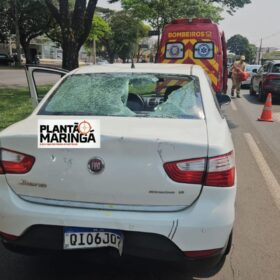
(160, 12)
(33, 21)
(126, 33)
(75, 21)
(29, 16)
(231, 5)
(100, 29)
(251, 53)
(240, 45)
(5, 23)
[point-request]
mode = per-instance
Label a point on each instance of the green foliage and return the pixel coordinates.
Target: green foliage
(126, 33)
(160, 12)
(16, 104)
(100, 29)
(251, 53)
(240, 45)
(33, 20)
(6, 25)
(231, 5)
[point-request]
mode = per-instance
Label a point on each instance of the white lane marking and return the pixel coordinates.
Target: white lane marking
(269, 178)
(233, 106)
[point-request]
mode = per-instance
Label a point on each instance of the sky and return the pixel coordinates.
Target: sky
(260, 19)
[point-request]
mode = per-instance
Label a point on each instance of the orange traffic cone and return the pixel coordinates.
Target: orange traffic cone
(267, 110)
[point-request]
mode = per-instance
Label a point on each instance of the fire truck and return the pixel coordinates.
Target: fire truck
(196, 41)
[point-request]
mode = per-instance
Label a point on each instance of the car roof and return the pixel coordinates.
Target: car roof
(272, 61)
(174, 68)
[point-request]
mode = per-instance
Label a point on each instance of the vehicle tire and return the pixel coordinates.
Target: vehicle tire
(261, 95)
(252, 92)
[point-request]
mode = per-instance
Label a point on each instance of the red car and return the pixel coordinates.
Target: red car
(266, 80)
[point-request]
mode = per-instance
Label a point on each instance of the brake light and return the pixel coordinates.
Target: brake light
(15, 162)
(8, 236)
(269, 78)
(186, 171)
(220, 171)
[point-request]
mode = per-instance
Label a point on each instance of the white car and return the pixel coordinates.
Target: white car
(250, 68)
(161, 185)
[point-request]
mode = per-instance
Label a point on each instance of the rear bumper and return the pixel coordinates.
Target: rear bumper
(47, 239)
(205, 225)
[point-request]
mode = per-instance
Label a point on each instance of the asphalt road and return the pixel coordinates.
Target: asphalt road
(255, 253)
(11, 78)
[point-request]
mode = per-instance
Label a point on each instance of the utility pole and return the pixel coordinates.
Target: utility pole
(18, 62)
(260, 50)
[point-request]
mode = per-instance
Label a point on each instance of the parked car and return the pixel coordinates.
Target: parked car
(266, 80)
(162, 184)
(250, 68)
(5, 59)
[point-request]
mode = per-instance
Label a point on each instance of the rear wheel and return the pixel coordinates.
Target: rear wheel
(261, 95)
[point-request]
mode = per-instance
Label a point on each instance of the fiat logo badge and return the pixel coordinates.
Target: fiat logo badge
(96, 165)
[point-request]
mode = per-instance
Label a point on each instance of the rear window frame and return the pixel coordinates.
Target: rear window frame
(42, 112)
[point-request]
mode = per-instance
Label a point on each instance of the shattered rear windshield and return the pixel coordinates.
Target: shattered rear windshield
(127, 95)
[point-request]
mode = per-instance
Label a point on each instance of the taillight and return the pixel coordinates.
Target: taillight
(220, 171)
(270, 77)
(15, 162)
(186, 171)
(7, 236)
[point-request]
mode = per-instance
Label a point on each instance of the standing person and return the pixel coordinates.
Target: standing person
(237, 69)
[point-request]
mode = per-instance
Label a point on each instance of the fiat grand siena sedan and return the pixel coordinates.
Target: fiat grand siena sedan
(137, 161)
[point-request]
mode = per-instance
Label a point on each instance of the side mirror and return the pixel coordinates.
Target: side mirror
(223, 99)
(254, 70)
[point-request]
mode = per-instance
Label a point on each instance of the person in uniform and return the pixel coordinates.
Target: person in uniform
(237, 69)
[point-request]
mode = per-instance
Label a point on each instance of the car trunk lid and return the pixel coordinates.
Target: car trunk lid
(133, 150)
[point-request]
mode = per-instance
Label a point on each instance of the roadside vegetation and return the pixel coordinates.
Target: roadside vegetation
(70, 24)
(16, 104)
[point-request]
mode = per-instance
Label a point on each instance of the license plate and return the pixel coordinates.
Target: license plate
(82, 238)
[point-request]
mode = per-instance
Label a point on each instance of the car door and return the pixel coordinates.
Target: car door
(257, 78)
(40, 79)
